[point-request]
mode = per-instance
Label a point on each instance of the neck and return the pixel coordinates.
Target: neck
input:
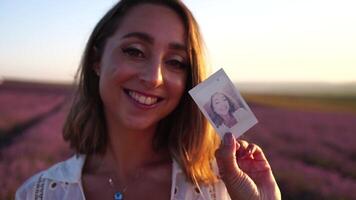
(129, 151)
(229, 120)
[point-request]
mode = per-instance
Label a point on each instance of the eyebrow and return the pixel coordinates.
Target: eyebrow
(177, 46)
(142, 36)
(149, 39)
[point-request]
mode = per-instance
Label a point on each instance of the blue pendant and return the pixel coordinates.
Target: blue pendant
(118, 196)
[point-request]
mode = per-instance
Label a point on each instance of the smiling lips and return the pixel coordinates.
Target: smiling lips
(143, 99)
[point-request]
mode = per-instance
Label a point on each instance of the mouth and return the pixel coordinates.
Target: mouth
(143, 99)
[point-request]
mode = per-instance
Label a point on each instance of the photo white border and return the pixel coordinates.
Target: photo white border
(216, 83)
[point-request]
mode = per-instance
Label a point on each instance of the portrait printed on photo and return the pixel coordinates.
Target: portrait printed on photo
(222, 104)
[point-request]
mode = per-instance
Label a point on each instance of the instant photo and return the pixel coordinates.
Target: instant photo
(223, 105)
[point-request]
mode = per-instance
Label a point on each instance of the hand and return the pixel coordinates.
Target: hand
(245, 171)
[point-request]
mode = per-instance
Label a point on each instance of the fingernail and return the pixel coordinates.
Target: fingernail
(228, 139)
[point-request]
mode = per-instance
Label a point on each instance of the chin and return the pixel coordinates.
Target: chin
(139, 125)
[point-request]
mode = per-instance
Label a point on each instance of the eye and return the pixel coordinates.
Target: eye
(177, 62)
(133, 52)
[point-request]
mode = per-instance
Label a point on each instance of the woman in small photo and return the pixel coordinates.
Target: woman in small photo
(225, 111)
(135, 131)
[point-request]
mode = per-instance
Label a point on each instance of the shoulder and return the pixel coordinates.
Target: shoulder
(241, 113)
(59, 176)
(26, 190)
(241, 110)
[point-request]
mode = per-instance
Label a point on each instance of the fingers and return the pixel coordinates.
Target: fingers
(226, 156)
(238, 149)
(244, 168)
(246, 150)
(236, 155)
(251, 160)
(249, 150)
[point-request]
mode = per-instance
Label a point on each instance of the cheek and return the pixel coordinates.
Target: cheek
(216, 107)
(226, 105)
(221, 107)
(115, 65)
(117, 73)
(176, 86)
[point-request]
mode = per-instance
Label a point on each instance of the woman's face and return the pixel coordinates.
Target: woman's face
(220, 104)
(143, 69)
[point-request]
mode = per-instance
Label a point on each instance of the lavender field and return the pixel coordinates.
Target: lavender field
(310, 143)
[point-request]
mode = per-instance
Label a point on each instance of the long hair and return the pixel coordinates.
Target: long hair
(215, 117)
(185, 131)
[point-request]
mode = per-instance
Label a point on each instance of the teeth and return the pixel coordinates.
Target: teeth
(148, 100)
(143, 99)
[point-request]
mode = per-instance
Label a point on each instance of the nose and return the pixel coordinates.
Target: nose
(152, 76)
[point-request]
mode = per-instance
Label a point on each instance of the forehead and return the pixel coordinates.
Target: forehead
(218, 97)
(159, 21)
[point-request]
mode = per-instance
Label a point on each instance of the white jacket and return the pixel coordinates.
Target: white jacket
(63, 181)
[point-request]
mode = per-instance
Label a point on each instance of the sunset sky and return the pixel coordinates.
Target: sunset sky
(256, 40)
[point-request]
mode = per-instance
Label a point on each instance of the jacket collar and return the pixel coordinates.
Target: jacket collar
(67, 171)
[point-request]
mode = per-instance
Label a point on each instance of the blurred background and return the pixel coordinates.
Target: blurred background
(293, 61)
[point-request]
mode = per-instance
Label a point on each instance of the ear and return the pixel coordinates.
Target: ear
(96, 68)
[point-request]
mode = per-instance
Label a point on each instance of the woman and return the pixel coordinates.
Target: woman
(224, 112)
(128, 122)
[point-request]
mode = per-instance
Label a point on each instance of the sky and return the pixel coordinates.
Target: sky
(253, 41)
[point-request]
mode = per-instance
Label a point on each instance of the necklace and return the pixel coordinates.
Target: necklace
(119, 195)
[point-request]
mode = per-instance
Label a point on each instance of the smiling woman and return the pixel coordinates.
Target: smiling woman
(128, 123)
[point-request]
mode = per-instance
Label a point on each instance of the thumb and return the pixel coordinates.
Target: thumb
(226, 157)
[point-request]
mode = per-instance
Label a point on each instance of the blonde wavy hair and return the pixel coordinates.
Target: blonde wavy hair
(185, 132)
